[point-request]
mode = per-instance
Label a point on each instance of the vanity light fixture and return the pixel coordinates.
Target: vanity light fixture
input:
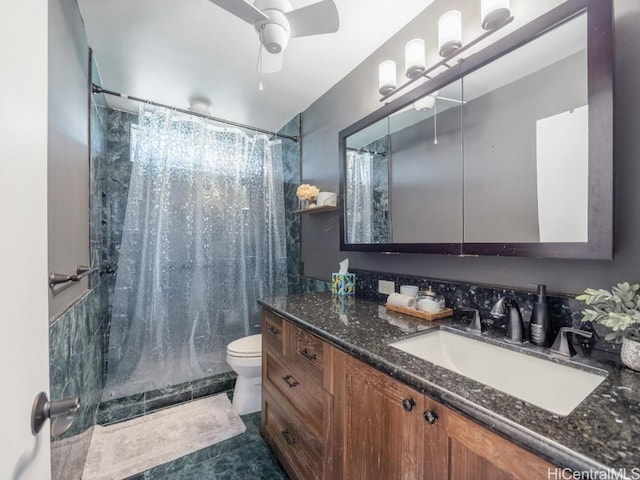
(387, 77)
(449, 32)
(414, 58)
(495, 15)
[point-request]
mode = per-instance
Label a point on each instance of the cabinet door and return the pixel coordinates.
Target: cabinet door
(476, 453)
(435, 457)
(379, 424)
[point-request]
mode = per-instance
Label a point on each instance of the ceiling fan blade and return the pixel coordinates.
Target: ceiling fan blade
(242, 9)
(271, 62)
(315, 19)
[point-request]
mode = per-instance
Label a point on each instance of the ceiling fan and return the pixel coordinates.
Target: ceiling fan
(276, 21)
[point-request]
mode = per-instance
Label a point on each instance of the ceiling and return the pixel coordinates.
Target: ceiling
(172, 51)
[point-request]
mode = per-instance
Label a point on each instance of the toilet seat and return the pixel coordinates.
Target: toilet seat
(246, 347)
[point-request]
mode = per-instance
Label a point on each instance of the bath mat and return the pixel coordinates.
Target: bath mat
(124, 449)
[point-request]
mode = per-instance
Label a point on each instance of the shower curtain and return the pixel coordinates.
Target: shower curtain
(203, 239)
(359, 197)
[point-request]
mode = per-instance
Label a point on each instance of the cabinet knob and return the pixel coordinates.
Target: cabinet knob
(288, 437)
(408, 404)
(430, 416)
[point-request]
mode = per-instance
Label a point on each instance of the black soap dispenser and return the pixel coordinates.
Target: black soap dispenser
(540, 325)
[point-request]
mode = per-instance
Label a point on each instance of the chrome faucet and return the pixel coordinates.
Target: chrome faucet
(563, 346)
(515, 325)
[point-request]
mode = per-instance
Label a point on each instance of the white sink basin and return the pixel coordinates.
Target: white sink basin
(556, 388)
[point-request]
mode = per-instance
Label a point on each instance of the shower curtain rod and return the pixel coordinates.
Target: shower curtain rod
(97, 89)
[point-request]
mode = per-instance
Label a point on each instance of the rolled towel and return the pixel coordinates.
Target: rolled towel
(402, 300)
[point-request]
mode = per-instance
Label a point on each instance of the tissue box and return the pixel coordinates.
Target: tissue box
(343, 283)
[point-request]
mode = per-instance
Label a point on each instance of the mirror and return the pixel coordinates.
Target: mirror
(506, 153)
(526, 131)
(404, 174)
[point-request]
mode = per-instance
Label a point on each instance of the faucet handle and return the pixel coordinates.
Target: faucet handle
(476, 325)
(562, 345)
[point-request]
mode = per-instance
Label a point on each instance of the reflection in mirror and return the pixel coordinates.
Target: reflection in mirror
(403, 181)
(526, 142)
(367, 185)
(426, 169)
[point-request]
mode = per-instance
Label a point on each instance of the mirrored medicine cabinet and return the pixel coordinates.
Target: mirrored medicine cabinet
(509, 152)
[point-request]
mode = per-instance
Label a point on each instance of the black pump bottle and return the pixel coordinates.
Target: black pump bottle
(540, 325)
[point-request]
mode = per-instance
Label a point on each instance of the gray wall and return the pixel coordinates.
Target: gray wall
(68, 176)
(426, 181)
(500, 158)
(355, 96)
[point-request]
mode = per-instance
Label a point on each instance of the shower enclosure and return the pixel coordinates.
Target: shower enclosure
(203, 239)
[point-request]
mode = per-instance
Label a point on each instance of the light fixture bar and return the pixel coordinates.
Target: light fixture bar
(444, 61)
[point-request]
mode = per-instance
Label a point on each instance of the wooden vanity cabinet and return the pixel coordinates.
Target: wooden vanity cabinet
(328, 416)
(297, 398)
(385, 429)
(380, 430)
(476, 453)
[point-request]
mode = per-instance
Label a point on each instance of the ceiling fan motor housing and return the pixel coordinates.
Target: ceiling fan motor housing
(274, 32)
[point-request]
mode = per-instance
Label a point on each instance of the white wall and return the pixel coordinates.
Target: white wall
(24, 353)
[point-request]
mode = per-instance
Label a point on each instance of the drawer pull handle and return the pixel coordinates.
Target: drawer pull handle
(273, 330)
(288, 381)
(408, 404)
(288, 437)
(430, 416)
(308, 355)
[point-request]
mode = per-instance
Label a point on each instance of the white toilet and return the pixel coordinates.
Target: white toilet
(244, 356)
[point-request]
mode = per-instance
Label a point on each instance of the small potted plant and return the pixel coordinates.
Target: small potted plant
(307, 195)
(620, 311)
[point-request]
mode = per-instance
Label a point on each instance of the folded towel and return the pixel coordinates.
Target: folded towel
(402, 300)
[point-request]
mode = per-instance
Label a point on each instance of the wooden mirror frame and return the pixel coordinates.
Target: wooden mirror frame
(600, 101)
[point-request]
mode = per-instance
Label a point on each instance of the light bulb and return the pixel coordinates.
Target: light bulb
(414, 58)
(387, 77)
(449, 32)
(494, 13)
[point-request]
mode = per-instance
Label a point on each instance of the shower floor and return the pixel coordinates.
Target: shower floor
(244, 457)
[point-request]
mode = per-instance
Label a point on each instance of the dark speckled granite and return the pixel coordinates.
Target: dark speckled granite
(602, 432)
(565, 310)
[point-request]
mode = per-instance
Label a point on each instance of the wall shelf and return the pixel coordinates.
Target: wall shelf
(326, 208)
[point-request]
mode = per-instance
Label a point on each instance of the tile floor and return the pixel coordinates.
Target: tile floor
(244, 457)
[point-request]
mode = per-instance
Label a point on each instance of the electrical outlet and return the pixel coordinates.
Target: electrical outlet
(385, 287)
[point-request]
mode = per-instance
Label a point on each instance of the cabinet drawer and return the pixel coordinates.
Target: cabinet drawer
(273, 332)
(308, 354)
(299, 450)
(304, 395)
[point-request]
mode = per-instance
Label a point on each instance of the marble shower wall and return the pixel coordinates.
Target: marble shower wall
(77, 336)
(291, 177)
(380, 190)
(117, 176)
(292, 174)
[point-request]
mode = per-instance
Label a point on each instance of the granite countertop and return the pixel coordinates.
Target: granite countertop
(603, 432)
